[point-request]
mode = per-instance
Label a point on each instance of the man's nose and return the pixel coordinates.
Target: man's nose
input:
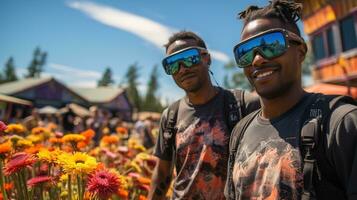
(182, 68)
(258, 60)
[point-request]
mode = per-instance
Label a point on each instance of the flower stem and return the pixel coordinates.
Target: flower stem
(69, 188)
(2, 181)
(23, 180)
(79, 185)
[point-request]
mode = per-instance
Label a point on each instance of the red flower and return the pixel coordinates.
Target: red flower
(103, 184)
(3, 126)
(18, 161)
(37, 180)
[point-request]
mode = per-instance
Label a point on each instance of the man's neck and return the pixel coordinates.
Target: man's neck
(203, 95)
(272, 108)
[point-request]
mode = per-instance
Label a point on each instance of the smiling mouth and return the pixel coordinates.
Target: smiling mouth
(263, 74)
(188, 76)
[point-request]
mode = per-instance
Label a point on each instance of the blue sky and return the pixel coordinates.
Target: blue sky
(84, 37)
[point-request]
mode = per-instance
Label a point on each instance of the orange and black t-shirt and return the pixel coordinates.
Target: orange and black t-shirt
(201, 144)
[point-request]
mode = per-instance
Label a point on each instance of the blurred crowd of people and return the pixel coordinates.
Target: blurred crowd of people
(101, 121)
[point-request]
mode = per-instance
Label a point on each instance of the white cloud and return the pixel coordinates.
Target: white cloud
(219, 56)
(142, 27)
(145, 28)
(74, 72)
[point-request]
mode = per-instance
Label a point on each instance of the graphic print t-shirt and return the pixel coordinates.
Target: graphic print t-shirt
(201, 143)
(268, 161)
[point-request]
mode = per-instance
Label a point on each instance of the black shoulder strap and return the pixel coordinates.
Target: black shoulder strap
(233, 103)
(317, 120)
(235, 139)
(170, 129)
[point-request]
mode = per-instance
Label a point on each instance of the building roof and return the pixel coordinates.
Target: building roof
(21, 85)
(99, 94)
(14, 100)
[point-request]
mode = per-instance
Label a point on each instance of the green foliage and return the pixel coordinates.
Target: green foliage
(36, 66)
(236, 77)
(152, 102)
(9, 73)
(106, 79)
(131, 80)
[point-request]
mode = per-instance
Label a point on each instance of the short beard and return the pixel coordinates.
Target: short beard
(278, 92)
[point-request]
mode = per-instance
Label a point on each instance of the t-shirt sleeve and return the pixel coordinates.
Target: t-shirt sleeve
(343, 150)
(251, 102)
(164, 147)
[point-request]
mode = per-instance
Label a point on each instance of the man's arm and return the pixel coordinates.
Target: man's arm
(160, 180)
(343, 146)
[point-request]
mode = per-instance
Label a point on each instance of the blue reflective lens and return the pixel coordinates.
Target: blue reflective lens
(269, 45)
(188, 58)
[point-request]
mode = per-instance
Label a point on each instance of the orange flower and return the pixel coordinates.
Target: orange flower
(110, 139)
(143, 180)
(88, 134)
(73, 138)
(121, 130)
(142, 197)
(55, 141)
(39, 130)
(9, 186)
(34, 149)
(123, 194)
(81, 145)
(5, 147)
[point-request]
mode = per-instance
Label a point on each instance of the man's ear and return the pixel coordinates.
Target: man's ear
(209, 59)
(302, 52)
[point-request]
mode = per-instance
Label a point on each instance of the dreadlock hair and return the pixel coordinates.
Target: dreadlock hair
(184, 35)
(287, 11)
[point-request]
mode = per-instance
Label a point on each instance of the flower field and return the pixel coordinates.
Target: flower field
(42, 164)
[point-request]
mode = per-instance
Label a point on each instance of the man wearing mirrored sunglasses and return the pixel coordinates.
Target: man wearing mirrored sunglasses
(195, 130)
(299, 145)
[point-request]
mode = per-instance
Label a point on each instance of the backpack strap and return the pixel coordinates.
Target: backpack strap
(317, 122)
(232, 105)
(170, 129)
(236, 137)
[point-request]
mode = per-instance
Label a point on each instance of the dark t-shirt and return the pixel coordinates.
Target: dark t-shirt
(201, 145)
(268, 162)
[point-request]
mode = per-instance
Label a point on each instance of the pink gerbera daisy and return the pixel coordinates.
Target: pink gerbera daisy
(103, 184)
(17, 162)
(37, 180)
(3, 126)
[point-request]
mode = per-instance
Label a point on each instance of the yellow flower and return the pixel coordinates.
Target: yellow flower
(15, 129)
(24, 143)
(64, 178)
(64, 194)
(49, 156)
(35, 138)
(73, 138)
(77, 163)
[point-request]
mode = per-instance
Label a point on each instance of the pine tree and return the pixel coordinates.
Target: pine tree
(36, 66)
(133, 93)
(237, 79)
(106, 79)
(9, 71)
(152, 103)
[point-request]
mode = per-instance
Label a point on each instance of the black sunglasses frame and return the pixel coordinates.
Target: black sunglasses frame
(289, 38)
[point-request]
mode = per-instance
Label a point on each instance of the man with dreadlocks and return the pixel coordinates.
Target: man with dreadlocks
(299, 145)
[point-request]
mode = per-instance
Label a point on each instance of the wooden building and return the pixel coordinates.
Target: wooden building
(50, 92)
(331, 26)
